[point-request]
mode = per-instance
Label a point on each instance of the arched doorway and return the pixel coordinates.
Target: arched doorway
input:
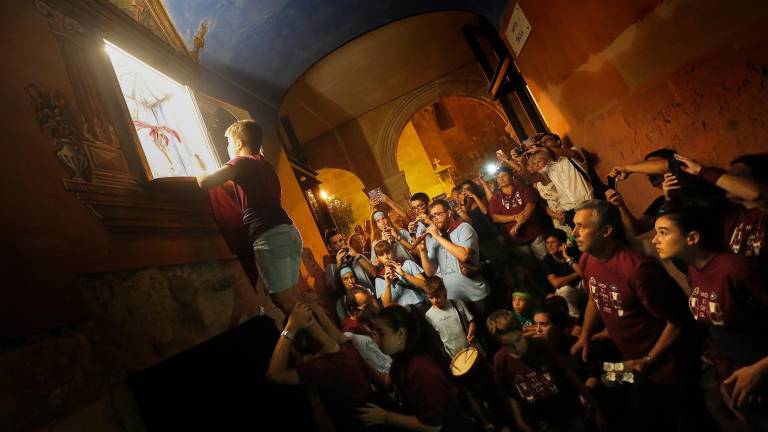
(346, 188)
(461, 132)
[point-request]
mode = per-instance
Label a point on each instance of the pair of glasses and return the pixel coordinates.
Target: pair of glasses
(438, 215)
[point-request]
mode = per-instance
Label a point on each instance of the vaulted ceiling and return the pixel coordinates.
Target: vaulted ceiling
(376, 68)
(265, 45)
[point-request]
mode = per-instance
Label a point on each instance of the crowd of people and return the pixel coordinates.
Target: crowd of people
(523, 302)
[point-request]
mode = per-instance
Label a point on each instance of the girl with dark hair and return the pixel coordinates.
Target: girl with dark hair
(729, 293)
(419, 373)
(746, 186)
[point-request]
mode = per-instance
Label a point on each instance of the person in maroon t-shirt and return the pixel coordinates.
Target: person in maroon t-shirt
(419, 374)
(276, 242)
(746, 224)
(341, 377)
(513, 206)
(543, 393)
(729, 295)
(644, 311)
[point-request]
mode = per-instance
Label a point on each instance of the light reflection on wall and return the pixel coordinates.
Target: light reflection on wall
(167, 120)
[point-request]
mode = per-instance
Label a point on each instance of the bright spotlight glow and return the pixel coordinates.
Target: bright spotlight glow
(491, 168)
(323, 195)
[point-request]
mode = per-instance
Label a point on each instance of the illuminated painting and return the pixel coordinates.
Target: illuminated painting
(167, 120)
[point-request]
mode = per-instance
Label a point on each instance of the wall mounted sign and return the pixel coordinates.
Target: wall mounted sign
(518, 30)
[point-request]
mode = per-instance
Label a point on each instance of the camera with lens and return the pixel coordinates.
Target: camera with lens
(519, 150)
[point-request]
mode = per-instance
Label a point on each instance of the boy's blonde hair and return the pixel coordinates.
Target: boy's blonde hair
(246, 131)
(434, 284)
(501, 321)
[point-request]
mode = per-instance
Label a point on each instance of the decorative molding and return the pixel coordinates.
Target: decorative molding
(64, 126)
(153, 16)
(93, 136)
(385, 150)
(59, 23)
(124, 210)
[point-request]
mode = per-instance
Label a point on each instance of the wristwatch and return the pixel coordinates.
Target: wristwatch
(288, 335)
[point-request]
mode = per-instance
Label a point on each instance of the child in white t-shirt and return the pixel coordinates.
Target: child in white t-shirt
(450, 318)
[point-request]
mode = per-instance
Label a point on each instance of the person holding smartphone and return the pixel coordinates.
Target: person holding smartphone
(730, 296)
(654, 165)
(746, 220)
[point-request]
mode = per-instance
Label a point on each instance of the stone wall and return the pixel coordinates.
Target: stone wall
(138, 318)
(625, 78)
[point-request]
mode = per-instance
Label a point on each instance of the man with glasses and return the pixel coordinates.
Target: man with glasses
(419, 203)
(452, 251)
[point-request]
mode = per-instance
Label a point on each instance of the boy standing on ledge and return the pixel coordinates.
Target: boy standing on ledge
(276, 242)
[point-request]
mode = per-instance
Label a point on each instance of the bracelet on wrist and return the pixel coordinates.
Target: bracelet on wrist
(287, 334)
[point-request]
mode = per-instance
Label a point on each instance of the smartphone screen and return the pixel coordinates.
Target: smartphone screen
(611, 182)
(374, 193)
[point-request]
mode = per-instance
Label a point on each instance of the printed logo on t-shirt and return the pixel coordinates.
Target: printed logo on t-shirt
(747, 239)
(509, 201)
(607, 297)
(705, 307)
(534, 386)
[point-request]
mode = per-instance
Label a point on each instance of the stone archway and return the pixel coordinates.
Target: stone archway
(385, 147)
(348, 187)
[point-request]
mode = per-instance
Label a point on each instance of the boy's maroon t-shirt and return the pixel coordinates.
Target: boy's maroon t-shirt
(730, 294)
(510, 205)
(636, 297)
(342, 382)
(536, 380)
(258, 190)
(746, 232)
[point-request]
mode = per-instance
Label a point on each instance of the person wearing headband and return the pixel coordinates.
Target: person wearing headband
(343, 255)
(522, 305)
(383, 230)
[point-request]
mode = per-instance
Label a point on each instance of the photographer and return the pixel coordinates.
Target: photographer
(344, 255)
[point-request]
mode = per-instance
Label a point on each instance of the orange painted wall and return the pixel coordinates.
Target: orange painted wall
(413, 160)
(50, 237)
(623, 78)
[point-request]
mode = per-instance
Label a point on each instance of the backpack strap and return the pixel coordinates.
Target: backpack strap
(462, 316)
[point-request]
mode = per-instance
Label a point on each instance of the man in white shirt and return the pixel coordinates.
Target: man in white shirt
(573, 187)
